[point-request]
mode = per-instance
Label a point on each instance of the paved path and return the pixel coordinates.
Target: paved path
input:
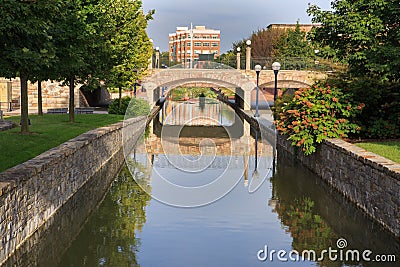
(17, 112)
(5, 125)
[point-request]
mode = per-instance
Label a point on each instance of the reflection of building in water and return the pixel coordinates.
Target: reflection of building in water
(190, 113)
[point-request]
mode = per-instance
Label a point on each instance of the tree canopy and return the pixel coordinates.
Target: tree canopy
(365, 33)
(72, 41)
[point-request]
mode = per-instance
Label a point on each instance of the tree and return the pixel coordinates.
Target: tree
(264, 42)
(293, 44)
(365, 33)
(26, 44)
(81, 45)
(129, 44)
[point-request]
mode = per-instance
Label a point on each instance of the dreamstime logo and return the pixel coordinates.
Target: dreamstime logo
(340, 253)
(173, 184)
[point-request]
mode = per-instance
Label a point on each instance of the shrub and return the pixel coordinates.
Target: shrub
(137, 107)
(317, 113)
(381, 116)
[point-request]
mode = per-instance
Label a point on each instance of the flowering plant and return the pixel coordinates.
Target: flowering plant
(317, 113)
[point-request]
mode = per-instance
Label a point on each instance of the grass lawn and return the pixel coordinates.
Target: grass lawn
(46, 132)
(390, 150)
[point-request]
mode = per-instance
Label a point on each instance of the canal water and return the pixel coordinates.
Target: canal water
(265, 206)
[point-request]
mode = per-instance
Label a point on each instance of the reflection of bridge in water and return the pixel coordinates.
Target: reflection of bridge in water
(197, 145)
(201, 118)
(194, 113)
(175, 148)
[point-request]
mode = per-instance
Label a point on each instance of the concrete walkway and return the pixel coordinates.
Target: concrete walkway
(5, 125)
(17, 112)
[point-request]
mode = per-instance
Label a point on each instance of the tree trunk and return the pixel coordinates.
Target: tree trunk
(120, 97)
(40, 102)
(71, 99)
(24, 104)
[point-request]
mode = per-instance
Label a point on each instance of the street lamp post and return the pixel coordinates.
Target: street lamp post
(238, 58)
(316, 51)
(248, 54)
(257, 68)
(276, 66)
(157, 57)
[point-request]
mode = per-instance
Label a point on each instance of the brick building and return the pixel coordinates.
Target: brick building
(206, 44)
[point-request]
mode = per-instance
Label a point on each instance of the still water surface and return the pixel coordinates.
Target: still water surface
(292, 209)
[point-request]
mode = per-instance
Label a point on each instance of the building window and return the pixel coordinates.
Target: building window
(188, 44)
(214, 44)
(206, 44)
(197, 51)
(197, 44)
(215, 37)
(206, 37)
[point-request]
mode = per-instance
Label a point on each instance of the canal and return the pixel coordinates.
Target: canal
(192, 195)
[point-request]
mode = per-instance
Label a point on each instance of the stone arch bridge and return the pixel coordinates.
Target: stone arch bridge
(243, 82)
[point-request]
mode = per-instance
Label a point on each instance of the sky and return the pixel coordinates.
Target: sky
(236, 19)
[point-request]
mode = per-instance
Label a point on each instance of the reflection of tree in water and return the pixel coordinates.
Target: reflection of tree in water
(108, 237)
(307, 228)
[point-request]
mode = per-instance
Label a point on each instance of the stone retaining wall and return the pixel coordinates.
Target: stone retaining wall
(32, 193)
(366, 179)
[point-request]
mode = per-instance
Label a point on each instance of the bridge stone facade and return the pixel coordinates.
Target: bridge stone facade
(172, 78)
(244, 82)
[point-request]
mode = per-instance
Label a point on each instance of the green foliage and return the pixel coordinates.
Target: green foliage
(363, 33)
(280, 103)
(381, 116)
(27, 42)
(307, 226)
(131, 106)
(182, 93)
(317, 113)
(16, 148)
(129, 44)
(293, 44)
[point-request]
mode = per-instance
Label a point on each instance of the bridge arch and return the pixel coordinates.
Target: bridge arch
(172, 78)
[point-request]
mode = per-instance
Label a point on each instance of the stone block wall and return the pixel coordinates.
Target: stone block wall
(32, 193)
(54, 95)
(370, 181)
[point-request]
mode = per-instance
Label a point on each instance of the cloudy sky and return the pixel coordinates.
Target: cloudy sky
(236, 19)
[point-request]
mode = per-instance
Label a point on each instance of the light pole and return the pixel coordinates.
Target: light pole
(316, 51)
(276, 66)
(157, 57)
(257, 68)
(238, 58)
(151, 58)
(248, 55)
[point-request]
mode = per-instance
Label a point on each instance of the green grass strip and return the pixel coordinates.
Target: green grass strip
(46, 132)
(389, 150)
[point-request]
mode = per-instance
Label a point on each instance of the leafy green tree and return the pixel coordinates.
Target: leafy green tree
(363, 32)
(264, 42)
(26, 43)
(81, 45)
(293, 44)
(129, 44)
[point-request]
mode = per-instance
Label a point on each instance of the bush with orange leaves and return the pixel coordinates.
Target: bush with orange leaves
(317, 113)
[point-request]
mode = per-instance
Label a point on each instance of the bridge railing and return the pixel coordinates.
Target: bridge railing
(287, 63)
(292, 63)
